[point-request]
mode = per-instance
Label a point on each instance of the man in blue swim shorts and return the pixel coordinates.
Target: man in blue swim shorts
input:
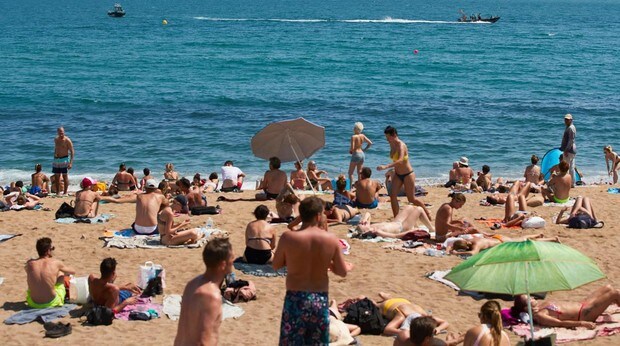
(104, 292)
(367, 190)
(63, 160)
(305, 314)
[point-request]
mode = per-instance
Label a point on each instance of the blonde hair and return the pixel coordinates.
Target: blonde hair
(169, 167)
(358, 127)
(341, 183)
(490, 312)
(608, 148)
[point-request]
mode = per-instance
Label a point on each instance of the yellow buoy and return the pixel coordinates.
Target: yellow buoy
(164, 22)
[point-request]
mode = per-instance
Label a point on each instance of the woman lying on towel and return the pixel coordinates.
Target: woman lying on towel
(474, 245)
(581, 215)
(569, 314)
(260, 238)
(339, 213)
(406, 221)
(401, 312)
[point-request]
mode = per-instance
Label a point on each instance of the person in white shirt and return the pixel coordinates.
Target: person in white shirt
(232, 177)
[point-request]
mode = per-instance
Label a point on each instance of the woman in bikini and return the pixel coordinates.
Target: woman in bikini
(611, 156)
(86, 200)
(490, 331)
(123, 180)
(171, 176)
(569, 314)
(403, 172)
(532, 173)
(260, 238)
(314, 175)
(402, 224)
(357, 152)
(339, 213)
(400, 312)
(171, 233)
(298, 176)
(581, 215)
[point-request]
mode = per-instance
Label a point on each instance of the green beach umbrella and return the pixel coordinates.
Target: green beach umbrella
(525, 267)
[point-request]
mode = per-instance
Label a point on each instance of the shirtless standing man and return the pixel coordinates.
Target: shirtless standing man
(308, 255)
(104, 292)
(559, 185)
(201, 307)
(367, 190)
(63, 147)
(148, 205)
(46, 277)
(273, 181)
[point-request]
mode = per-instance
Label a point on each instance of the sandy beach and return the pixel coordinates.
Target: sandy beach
(376, 269)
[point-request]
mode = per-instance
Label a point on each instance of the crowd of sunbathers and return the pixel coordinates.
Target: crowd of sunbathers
(158, 203)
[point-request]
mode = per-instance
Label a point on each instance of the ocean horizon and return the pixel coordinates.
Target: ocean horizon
(194, 92)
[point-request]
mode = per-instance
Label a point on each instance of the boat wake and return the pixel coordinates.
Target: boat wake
(386, 20)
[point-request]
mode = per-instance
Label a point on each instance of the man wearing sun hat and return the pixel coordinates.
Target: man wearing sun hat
(464, 173)
(568, 147)
(86, 200)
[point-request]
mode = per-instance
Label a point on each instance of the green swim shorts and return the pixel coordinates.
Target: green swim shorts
(59, 300)
(561, 201)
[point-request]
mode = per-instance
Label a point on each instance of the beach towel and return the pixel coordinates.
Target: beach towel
(5, 237)
(172, 308)
(128, 239)
(492, 222)
(613, 190)
(569, 203)
(142, 304)
(265, 270)
(45, 315)
(355, 220)
(93, 220)
(408, 246)
(606, 325)
(438, 275)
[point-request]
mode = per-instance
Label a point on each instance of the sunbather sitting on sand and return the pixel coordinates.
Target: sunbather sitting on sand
(341, 195)
(445, 225)
(569, 314)
(490, 331)
(533, 174)
(104, 292)
(558, 187)
(211, 184)
(260, 238)
(171, 233)
(581, 215)
(404, 222)
(367, 190)
(401, 312)
(476, 244)
(195, 198)
(86, 200)
(422, 333)
(287, 203)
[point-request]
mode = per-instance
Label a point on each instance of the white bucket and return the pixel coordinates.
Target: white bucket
(147, 272)
(78, 290)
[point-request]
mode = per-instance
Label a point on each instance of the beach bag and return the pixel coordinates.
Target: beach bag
(205, 210)
(139, 316)
(533, 222)
(65, 210)
(367, 316)
(581, 221)
(240, 291)
(100, 316)
(150, 271)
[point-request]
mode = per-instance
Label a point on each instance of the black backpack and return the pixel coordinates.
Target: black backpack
(367, 316)
(581, 221)
(100, 316)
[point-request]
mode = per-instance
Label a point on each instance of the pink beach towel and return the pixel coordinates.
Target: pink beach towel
(144, 304)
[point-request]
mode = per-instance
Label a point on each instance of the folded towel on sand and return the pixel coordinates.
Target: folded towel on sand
(143, 304)
(606, 325)
(569, 203)
(172, 308)
(258, 269)
(99, 219)
(5, 237)
(45, 315)
(492, 222)
(127, 239)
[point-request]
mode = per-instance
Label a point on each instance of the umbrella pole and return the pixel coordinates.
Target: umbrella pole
(529, 303)
(290, 142)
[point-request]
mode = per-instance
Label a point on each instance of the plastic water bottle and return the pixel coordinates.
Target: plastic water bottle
(209, 224)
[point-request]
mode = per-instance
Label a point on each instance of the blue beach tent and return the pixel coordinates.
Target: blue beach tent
(552, 158)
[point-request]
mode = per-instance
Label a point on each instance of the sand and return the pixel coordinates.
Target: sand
(376, 269)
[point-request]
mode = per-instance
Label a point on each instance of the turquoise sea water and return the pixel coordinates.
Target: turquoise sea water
(193, 92)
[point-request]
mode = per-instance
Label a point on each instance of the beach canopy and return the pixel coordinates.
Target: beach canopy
(525, 267)
(288, 140)
(550, 159)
